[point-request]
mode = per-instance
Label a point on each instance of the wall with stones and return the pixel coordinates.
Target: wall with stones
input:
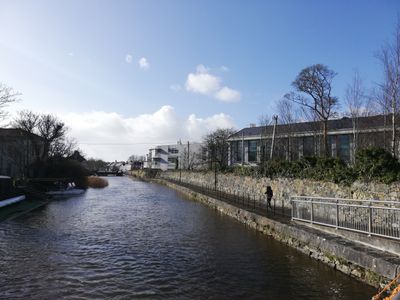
(284, 187)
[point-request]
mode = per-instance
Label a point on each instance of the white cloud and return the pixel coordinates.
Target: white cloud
(128, 58)
(111, 136)
(228, 95)
(202, 82)
(202, 69)
(144, 64)
(70, 54)
(175, 87)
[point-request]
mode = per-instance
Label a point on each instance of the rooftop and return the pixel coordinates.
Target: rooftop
(13, 132)
(344, 123)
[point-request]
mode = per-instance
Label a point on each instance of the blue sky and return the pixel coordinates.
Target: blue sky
(205, 64)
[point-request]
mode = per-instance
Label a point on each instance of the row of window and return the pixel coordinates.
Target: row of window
(339, 145)
(237, 150)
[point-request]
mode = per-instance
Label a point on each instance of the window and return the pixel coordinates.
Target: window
(344, 147)
(265, 150)
(308, 146)
(239, 151)
(173, 150)
(172, 160)
(332, 145)
(252, 151)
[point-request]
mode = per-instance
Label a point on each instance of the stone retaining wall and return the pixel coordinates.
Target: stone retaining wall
(284, 187)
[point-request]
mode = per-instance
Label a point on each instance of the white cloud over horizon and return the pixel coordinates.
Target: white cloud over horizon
(144, 63)
(112, 136)
(205, 83)
(228, 95)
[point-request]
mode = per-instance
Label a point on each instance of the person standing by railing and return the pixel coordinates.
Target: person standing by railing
(269, 194)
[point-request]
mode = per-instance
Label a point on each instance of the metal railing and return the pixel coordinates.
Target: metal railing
(373, 217)
(250, 202)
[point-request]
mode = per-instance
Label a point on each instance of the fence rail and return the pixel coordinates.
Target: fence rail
(240, 199)
(373, 217)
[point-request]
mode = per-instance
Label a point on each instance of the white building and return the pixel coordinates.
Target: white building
(177, 156)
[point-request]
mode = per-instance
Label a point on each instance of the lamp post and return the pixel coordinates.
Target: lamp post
(275, 118)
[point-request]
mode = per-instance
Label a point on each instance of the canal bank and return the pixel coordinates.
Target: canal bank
(372, 266)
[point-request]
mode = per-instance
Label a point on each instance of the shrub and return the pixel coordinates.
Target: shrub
(332, 169)
(63, 168)
(245, 171)
(373, 164)
(376, 164)
(96, 182)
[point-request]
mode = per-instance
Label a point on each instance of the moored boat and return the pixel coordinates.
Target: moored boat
(63, 189)
(8, 194)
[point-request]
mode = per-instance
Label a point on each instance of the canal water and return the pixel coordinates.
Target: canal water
(137, 240)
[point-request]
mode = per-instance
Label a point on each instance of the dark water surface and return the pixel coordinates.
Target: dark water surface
(135, 240)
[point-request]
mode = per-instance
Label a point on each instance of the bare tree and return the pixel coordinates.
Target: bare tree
(50, 129)
(264, 121)
(288, 115)
(63, 147)
(389, 57)
(217, 146)
(189, 159)
(356, 106)
(7, 96)
(135, 157)
(93, 164)
(316, 83)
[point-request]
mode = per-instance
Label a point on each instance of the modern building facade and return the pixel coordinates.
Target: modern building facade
(177, 156)
(18, 151)
(253, 145)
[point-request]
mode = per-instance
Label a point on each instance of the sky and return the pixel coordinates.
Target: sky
(127, 75)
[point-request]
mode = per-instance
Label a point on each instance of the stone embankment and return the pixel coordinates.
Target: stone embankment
(284, 187)
(373, 266)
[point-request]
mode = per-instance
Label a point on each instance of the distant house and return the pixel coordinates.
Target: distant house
(253, 144)
(18, 151)
(118, 166)
(135, 164)
(77, 156)
(170, 157)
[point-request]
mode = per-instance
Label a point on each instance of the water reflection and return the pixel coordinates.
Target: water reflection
(140, 240)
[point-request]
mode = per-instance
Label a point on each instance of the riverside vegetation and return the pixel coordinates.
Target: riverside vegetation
(373, 164)
(67, 168)
(96, 182)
